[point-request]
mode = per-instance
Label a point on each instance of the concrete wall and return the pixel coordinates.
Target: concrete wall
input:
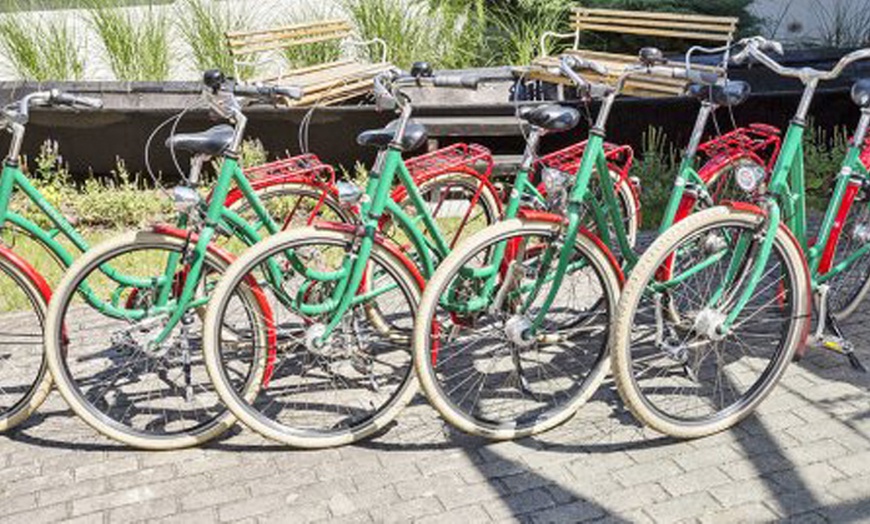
(806, 20)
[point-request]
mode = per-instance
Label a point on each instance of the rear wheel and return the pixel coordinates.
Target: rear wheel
(474, 360)
(314, 394)
(675, 370)
(105, 362)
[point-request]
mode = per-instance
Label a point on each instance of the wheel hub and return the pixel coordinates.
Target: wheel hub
(518, 331)
(709, 323)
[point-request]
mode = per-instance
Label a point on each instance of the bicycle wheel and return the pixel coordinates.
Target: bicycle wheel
(291, 205)
(473, 359)
(460, 203)
(675, 371)
(315, 395)
(105, 364)
(849, 286)
(24, 381)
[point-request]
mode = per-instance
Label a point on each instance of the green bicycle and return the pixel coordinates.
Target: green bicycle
(719, 305)
(512, 333)
(343, 369)
(120, 330)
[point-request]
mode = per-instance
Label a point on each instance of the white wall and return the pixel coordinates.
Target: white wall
(804, 20)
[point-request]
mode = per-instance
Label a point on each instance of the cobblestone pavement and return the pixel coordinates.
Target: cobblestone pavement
(806, 455)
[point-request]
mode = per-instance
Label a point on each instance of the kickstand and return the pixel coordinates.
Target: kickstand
(846, 350)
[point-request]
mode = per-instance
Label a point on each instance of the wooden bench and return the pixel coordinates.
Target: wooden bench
(710, 30)
(338, 77)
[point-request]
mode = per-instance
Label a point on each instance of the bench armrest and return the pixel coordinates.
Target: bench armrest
(561, 36)
(364, 43)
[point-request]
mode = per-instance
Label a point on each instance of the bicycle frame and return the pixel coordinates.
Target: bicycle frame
(785, 203)
(389, 165)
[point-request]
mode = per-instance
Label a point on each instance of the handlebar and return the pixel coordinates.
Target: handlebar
(387, 85)
(271, 93)
(758, 47)
(72, 100)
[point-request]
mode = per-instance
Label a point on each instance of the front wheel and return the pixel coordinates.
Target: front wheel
(24, 378)
(317, 390)
(103, 354)
(480, 363)
(678, 368)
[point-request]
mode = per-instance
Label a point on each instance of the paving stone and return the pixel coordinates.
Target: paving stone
(695, 480)
(465, 514)
(468, 494)
(579, 511)
(638, 496)
(683, 508)
(106, 468)
(407, 510)
(156, 508)
(251, 507)
(648, 472)
(752, 512)
(518, 504)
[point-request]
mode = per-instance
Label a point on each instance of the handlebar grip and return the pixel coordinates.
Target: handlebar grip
(268, 92)
(69, 99)
(293, 93)
(460, 81)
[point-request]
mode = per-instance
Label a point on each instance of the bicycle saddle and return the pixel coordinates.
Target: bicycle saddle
(861, 92)
(415, 136)
(551, 117)
(732, 93)
(213, 141)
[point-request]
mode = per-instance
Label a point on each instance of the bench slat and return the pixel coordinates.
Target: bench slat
(658, 32)
(303, 27)
(687, 26)
(661, 15)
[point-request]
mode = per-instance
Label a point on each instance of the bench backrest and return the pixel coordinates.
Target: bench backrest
(668, 25)
(249, 42)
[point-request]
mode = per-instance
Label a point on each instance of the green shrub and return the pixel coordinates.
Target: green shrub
(41, 50)
(656, 168)
(823, 155)
(137, 47)
(203, 25)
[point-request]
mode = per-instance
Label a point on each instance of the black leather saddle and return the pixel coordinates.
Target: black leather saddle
(861, 92)
(414, 137)
(732, 93)
(551, 117)
(213, 141)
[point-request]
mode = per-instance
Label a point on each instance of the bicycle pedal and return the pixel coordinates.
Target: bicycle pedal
(831, 343)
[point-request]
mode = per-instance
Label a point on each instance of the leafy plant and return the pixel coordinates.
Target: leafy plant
(656, 170)
(41, 50)
(514, 36)
(842, 24)
(203, 25)
(137, 47)
(414, 31)
(823, 154)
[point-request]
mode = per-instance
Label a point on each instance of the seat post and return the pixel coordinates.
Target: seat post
(861, 131)
(704, 113)
(531, 149)
(196, 164)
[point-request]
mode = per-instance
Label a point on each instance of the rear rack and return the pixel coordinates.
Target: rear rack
(568, 159)
(756, 138)
(451, 158)
(308, 165)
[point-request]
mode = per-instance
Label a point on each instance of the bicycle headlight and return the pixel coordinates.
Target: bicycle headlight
(748, 175)
(554, 180)
(185, 198)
